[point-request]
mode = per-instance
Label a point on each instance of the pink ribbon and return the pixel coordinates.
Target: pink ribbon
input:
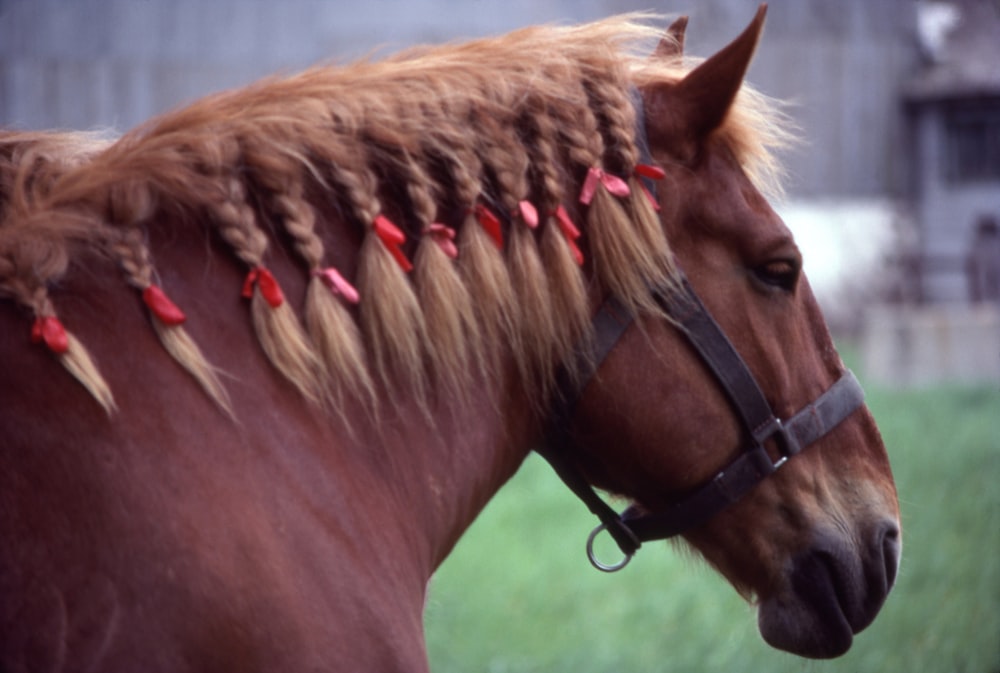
(267, 285)
(392, 237)
(597, 176)
(162, 307)
(570, 231)
(48, 330)
(337, 284)
(490, 222)
(528, 213)
(444, 237)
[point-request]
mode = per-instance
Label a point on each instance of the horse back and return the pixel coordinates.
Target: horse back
(169, 535)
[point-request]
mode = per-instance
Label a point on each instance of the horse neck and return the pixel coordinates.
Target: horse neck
(443, 465)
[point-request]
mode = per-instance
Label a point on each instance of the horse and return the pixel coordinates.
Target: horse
(267, 356)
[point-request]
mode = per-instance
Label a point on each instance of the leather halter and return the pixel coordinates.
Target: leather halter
(758, 420)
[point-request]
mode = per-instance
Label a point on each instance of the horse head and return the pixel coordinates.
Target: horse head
(816, 544)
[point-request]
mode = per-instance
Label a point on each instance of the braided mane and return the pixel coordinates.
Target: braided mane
(431, 152)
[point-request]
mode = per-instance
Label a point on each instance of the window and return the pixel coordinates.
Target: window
(972, 142)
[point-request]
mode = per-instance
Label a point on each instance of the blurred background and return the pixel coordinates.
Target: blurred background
(894, 196)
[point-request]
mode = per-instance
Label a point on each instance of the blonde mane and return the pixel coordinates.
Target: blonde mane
(418, 152)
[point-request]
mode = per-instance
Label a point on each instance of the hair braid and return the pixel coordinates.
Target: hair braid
(278, 330)
(77, 360)
(132, 253)
(616, 253)
(480, 263)
(453, 333)
(328, 322)
(566, 280)
(609, 95)
(39, 256)
(507, 160)
(579, 135)
(391, 317)
(615, 115)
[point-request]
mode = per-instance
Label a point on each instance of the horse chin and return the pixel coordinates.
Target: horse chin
(818, 616)
(830, 594)
(817, 632)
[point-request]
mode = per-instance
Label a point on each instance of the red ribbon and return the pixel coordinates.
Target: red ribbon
(653, 173)
(267, 285)
(338, 284)
(571, 233)
(528, 213)
(49, 330)
(392, 237)
(159, 303)
(650, 198)
(491, 223)
(444, 237)
(650, 171)
(597, 176)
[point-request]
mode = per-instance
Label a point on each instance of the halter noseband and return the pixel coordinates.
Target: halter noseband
(759, 422)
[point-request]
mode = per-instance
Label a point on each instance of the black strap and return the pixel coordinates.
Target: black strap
(718, 353)
(609, 324)
(641, 139)
(817, 419)
(739, 477)
(751, 467)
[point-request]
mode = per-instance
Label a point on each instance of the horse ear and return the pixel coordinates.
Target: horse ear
(705, 95)
(672, 44)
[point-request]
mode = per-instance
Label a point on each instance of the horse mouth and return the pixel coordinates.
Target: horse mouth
(830, 597)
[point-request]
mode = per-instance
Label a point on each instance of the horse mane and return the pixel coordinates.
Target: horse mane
(34, 153)
(456, 145)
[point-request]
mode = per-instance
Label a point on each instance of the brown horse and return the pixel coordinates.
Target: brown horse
(457, 227)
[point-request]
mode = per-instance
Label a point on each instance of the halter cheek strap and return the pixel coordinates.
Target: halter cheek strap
(756, 417)
(758, 420)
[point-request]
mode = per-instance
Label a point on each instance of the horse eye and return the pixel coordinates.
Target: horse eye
(780, 273)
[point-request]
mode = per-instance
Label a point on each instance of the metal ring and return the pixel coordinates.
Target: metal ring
(603, 567)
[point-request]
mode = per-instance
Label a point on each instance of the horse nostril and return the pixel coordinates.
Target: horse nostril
(890, 547)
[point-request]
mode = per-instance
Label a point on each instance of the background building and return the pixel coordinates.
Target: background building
(952, 108)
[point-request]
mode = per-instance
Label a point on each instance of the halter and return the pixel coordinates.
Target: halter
(759, 422)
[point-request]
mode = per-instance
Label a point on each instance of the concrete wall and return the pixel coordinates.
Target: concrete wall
(919, 346)
(87, 63)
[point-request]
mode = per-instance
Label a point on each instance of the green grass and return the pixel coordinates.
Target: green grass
(518, 595)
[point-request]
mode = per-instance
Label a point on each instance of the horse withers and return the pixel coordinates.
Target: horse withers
(434, 250)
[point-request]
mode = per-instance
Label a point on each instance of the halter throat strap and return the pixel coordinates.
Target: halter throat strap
(760, 424)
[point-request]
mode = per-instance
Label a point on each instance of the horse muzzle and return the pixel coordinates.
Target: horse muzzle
(833, 591)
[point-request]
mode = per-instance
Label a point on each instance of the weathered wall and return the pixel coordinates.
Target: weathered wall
(920, 346)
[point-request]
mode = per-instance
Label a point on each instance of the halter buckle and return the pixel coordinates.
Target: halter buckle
(788, 444)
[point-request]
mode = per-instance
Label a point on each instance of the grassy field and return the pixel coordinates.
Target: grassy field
(519, 596)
